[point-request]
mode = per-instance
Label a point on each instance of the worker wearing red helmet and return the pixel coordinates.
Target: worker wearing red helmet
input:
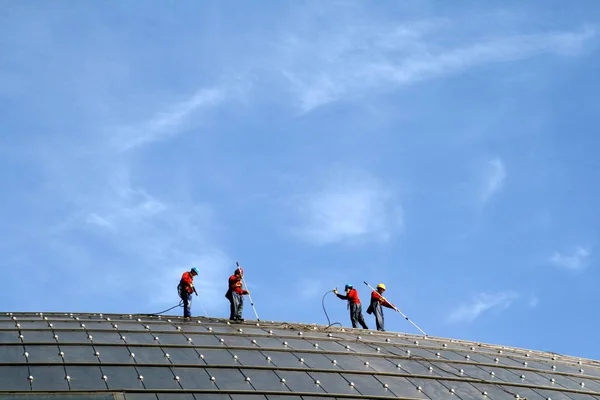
(235, 295)
(377, 304)
(185, 289)
(354, 305)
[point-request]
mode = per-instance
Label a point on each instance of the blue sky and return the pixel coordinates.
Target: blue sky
(445, 150)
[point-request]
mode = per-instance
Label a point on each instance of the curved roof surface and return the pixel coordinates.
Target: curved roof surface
(150, 357)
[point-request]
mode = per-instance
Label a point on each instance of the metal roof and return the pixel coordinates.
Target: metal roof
(148, 357)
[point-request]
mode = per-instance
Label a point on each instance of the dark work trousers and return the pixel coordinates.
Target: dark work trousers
(236, 306)
(187, 304)
(378, 312)
(356, 316)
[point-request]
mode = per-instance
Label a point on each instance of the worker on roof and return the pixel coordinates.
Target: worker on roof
(235, 295)
(377, 304)
(354, 305)
(185, 289)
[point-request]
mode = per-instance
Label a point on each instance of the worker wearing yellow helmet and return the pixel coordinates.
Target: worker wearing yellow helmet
(377, 304)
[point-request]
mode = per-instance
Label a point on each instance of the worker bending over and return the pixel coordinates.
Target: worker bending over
(235, 295)
(185, 289)
(354, 305)
(377, 304)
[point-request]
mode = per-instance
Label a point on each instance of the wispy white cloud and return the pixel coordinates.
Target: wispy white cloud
(575, 261)
(349, 210)
(482, 303)
(169, 122)
(355, 60)
(495, 175)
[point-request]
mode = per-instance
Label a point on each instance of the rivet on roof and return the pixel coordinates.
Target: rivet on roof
(83, 325)
(253, 341)
(445, 345)
(579, 362)
(554, 367)
(189, 339)
(497, 359)
(398, 366)
(156, 338)
(358, 337)
(147, 327)
(317, 382)
(115, 326)
(419, 388)
(370, 333)
(285, 343)
(407, 351)
(50, 325)
(270, 332)
(169, 321)
(26, 354)
(202, 356)
(522, 376)
(334, 361)
(553, 380)
(385, 385)
(387, 340)
(240, 330)
(554, 358)
(97, 354)
(431, 368)
(222, 340)
(20, 336)
(247, 379)
(484, 393)
(61, 354)
(416, 342)
(462, 371)
(525, 363)
(352, 384)
(228, 323)
(107, 318)
(582, 384)
(90, 337)
(68, 377)
(139, 320)
(199, 321)
(282, 380)
(212, 378)
(18, 325)
(299, 333)
(178, 328)
(209, 329)
(316, 345)
(366, 363)
(141, 378)
(499, 351)
(235, 357)
(167, 355)
(472, 348)
(30, 377)
(302, 360)
(378, 349)
(452, 390)
(347, 347)
(329, 335)
(268, 358)
(492, 373)
(132, 355)
(176, 378)
(467, 356)
(582, 371)
(123, 338)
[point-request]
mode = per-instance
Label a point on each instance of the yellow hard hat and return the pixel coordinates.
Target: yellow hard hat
(381, 286)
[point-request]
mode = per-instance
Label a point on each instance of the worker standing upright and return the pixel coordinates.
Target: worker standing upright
(235, 295)
(354, 305)
(185, 289)
(377, 304)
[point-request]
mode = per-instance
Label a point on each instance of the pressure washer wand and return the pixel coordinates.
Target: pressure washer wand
(398, 310)
(249, 297)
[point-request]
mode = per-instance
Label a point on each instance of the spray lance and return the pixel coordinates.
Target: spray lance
(249, 297)
(397, 310)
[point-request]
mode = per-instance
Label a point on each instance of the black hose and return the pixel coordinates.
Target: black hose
(325, 311)
(168, 309)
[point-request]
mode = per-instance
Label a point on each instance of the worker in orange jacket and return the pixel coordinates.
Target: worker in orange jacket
(186, 288)
(356, 316)
(235, 295)
(377, 304)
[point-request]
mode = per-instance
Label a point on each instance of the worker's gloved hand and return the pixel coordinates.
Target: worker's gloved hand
(335, 291)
